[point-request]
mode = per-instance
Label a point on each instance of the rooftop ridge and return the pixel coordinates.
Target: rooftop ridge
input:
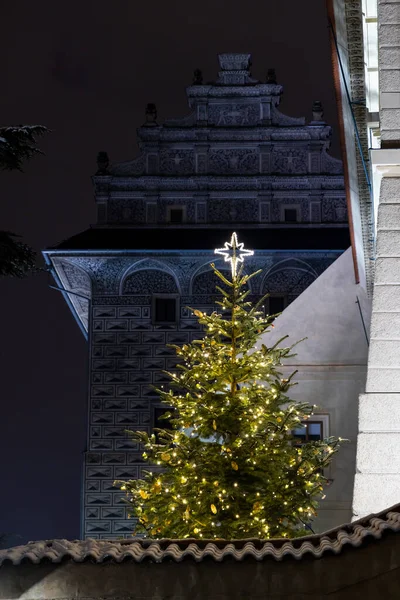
(353, 534)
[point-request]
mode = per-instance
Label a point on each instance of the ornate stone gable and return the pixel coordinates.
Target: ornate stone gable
(235, 130)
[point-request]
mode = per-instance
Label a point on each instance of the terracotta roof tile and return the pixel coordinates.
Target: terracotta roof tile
(138, 550)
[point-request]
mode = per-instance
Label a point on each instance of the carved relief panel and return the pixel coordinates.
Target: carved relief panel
(289, 161)
(234, 114)
(242, 210)
(149, 281)
(130, 210)
(241, 161)
(177, 162)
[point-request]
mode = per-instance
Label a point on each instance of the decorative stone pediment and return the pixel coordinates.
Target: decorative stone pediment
(234, 128)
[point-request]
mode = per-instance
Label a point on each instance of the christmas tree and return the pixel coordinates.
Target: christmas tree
(230, 468)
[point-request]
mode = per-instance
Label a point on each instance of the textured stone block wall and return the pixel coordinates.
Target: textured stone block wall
(377, 482)
(384, 355)
(128, 357)
(389, 71)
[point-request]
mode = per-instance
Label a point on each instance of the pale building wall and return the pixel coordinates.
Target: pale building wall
(377, 481)
(332, 368)
(389, 71)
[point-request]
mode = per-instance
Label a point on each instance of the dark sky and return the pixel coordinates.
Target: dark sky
(86, 70)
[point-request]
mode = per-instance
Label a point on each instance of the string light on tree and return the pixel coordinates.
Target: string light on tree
(230, 466)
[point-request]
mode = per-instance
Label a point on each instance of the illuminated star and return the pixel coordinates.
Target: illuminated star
(234, 253)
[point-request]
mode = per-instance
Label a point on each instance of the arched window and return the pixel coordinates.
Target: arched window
(161, 287)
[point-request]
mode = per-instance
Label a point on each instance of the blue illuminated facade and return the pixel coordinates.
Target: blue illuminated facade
(234, 163)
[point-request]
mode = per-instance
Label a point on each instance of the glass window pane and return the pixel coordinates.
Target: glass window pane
(276, 304)
(300, 433)
(314, 429)
(165, 310)
(290, 215)
(310, 431)
(176, 215)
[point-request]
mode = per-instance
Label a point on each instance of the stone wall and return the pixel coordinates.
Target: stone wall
(377, 481)
(389, 72)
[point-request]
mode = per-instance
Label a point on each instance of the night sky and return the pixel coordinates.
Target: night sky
(86, 70)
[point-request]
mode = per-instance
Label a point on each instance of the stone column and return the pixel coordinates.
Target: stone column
(389, 72)
(377, 480)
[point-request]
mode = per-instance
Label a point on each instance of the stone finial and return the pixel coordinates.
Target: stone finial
(235, 69)
(271, 76)
(197, 77)
(151, 115)
(317, 111)
(234, 62)
(102, 163)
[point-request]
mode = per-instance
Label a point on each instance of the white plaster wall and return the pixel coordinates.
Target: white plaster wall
(332, 368)
(327, 314)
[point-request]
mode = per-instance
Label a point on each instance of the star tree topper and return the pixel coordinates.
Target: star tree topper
(234, 253)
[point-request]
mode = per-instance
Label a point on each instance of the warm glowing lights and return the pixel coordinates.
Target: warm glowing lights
(229, 468)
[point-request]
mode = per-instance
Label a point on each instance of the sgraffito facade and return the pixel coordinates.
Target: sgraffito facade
(235, 163)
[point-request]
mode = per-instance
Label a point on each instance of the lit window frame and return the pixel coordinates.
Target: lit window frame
(305, 425)
(323, 418)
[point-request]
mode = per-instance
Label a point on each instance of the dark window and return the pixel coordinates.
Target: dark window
(310, 431)
(176, 215)
(276, 304)
(164, 310)
(290, 215)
